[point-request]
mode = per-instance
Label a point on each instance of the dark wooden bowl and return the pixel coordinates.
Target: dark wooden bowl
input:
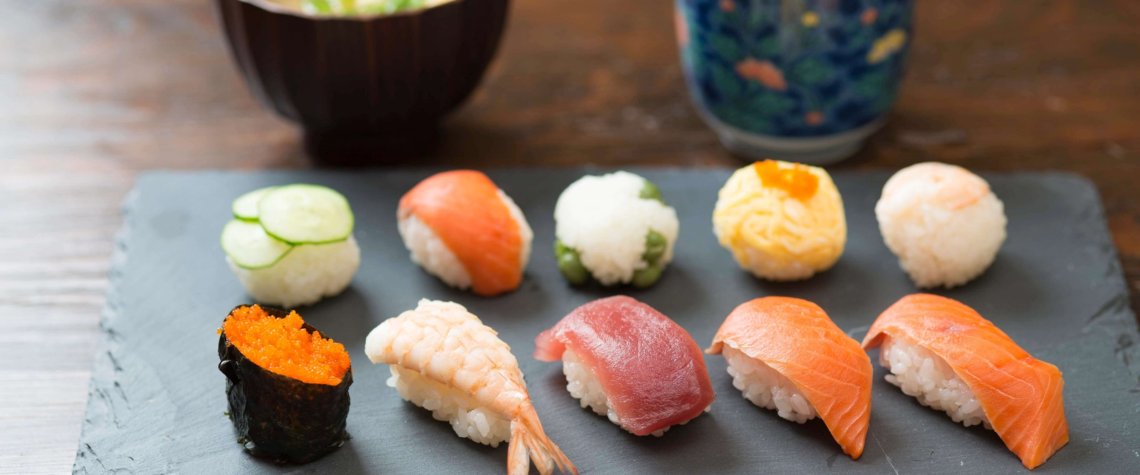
(365, 89)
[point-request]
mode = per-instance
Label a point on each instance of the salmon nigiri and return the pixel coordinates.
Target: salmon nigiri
(625, 360)
(947, 356)
(463, 229)
(786, 354)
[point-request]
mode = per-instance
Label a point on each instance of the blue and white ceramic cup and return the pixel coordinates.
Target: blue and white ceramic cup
(801, 80)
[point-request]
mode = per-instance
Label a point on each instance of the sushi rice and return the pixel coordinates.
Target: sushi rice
(468, 419)
(926, 377)
(584, 386)
(606, 221)
(431, 253)
(766, 387)
(305, 275)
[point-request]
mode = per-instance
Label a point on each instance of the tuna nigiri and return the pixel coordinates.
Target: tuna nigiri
(625, 360)
(947, 356)
(786, 354)
(444, 359)
(463, 229)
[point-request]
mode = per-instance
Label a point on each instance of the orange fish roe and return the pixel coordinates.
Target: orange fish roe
(282, 346)
(797, 180)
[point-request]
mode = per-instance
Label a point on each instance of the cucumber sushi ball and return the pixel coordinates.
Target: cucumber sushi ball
(614, 229)
(782, 221)
(292, 245)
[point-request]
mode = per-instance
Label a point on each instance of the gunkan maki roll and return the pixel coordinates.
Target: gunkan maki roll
(287, 385)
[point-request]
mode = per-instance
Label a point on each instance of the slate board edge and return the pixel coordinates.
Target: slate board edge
(109, 358)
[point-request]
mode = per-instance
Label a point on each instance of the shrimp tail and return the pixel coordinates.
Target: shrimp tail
(529, 442)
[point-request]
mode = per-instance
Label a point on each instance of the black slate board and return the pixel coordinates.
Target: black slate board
(157, 398)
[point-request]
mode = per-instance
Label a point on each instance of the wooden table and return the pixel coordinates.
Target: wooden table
(93, 92)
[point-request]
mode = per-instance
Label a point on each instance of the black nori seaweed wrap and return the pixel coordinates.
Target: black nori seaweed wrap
(279, 417)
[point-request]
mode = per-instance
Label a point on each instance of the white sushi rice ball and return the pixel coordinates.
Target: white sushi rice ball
(584, 386)
(304, 276)
(926, 377)
(943, 222)
(766, 387)
(468, 419)
(431, 253)
(606, 221)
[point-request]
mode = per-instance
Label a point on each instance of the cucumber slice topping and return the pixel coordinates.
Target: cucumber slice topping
(305, 214)
(245, 207)
(250, 247)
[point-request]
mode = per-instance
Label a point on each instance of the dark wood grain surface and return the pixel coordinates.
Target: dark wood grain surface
(91, 92)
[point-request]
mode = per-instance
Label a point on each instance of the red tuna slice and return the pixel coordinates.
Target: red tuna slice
(650, 368)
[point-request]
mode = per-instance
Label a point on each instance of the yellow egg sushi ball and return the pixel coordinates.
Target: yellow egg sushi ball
(781, 221)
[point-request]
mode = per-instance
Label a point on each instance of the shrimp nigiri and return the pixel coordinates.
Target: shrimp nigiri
(445, 360)
(786, 354)
(463, 229)
(947, 356)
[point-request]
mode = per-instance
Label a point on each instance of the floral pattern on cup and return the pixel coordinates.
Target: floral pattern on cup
(794, 68)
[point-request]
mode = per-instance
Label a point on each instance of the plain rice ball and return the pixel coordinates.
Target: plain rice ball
(606, 221)
(943, 222)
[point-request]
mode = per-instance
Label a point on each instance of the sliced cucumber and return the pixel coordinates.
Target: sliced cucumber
(250, 247)
(245, 206)
(305, 214)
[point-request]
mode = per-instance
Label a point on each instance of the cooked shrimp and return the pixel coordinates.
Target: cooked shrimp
(445, 360)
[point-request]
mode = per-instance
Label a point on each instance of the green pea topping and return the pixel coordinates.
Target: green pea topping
(655, 244)
(649, 191)
(647, 276)
(570, 264)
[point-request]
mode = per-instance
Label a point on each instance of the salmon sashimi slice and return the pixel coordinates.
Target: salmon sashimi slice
(650, 369)
(469, 213)
(1020, 396)
(799, 341)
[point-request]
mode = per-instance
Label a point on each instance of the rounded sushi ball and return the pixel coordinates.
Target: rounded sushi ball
(943, 222)
(614, 228)
(431, 253)
(307, 274)
(460, 227)
(781, 221)
(292, 245)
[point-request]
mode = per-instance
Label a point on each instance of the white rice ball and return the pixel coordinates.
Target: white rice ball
(305, 275)
(766, 387)
(943, 223)
(468, 419)
(431, 253)
(926, 377)
(606, 221)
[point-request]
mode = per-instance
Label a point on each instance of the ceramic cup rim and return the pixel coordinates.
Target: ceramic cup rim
(272, 7)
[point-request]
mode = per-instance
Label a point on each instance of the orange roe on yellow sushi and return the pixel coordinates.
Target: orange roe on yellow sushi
(797, 180)
(283, 346)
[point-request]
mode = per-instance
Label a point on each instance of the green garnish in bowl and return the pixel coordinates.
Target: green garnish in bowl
(364, 7)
